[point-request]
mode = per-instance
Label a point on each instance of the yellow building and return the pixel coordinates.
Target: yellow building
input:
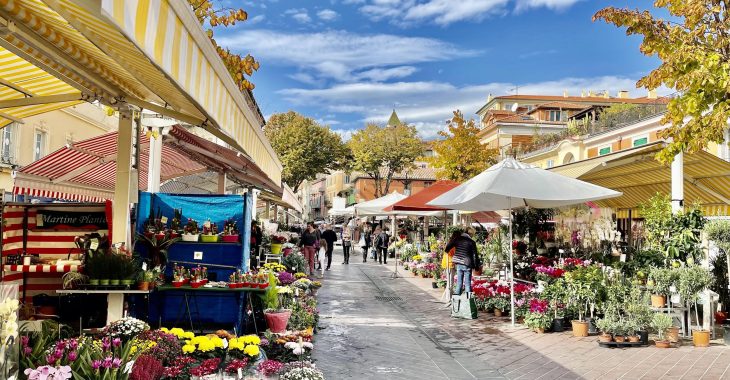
(42, 134)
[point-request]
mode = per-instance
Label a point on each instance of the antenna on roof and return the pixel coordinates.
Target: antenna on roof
(516, 89)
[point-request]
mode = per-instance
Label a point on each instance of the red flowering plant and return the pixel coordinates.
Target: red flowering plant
(278, 239)
(207, 367)
(270, 367)
(539, 315)
(571, 263)
(547, 274)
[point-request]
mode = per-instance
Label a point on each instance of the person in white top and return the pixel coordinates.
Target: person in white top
(346, 245)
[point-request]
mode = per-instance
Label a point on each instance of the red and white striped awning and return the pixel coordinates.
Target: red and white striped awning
(86, 171)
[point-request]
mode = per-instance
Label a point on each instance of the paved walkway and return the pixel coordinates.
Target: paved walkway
(376, 327)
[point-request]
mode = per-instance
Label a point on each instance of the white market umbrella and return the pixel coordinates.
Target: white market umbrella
(510, 184)
(376, 206)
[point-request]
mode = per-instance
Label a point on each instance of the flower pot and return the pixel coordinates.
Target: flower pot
(277, 321)
(232, 285)
(540, 330)
(605, 338)
(592, 329)
(229, 238)
(114, 282)
(127, 281)
(196, 284)
(160, 236)
(209, 238)
(497, 312)
(144, 285)
(658, 300)
(701, 338)
(580, 328)
(434, 284)
(174, 234)
(619, 338)
(662, 344)
(264, 285)
(634, 338)
(276, 248)
(557, 325)
(104, 282)
(177, 284)
(94, 281)
(190, 237)
(673, 334)
(644, 335)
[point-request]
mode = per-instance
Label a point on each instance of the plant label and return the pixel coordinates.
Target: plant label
(198, 255)
(144, 266)
(163, 220)
(94, 244)
(623, 258)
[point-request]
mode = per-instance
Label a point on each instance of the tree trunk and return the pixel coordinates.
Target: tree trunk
(388, 180)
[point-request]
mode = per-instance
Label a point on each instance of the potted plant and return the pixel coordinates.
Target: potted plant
(660, 281)
(555, 293)
(660, 323)
(157, 248)
(230, 232)
(276, 317)
(583, 286)
(277, 241)
(607, 326)
(619, 330)
(631, 328)
(176, 223)
(146, 278)
(539, 317)
(210, 232)
(640, 313)
(500, 305)
(191, 232)
(692, 281)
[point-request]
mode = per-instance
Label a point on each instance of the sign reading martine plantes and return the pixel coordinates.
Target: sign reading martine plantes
(71, 220)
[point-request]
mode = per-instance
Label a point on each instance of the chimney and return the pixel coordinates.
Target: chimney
(565, 93)
(489, 98)
(651, 94)
(623, 94)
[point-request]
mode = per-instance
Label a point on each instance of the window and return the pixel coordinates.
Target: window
(555, 115)
(40, 145)
(9, 140)
(604, 150)
(347, 179)
(549, 164)
(427, 184)
(639, 141)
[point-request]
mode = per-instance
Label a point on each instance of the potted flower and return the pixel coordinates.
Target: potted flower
(500, 305)
(555, 293)
(276, 317)
(176, 223)
(539, 317)
(660, 282)
(660, 323)
(146, 278)
(210, 232)
(191, 233)
(230, 231)
(692, 281)
(277, 241)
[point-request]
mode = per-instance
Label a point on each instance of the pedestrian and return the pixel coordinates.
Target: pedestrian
(368, 239)
(256, 239)
(330, 237)
(465, 258)
(322, 253)
(308, 242)
(381, 245)
(346, 244)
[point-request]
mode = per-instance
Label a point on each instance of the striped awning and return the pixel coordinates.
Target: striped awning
(639, 176)
(86, 171)
(151, 54)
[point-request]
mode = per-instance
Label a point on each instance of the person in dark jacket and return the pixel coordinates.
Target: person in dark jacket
(368, 238)
(381, 245)
(308, 241)
(465, 258)
(257, 237)
(330, 237)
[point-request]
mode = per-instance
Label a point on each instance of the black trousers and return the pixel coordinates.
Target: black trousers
(346, 252)
(328, 254)
(383, 255)
(366, 252)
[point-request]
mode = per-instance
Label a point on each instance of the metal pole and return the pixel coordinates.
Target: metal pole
(511, 265)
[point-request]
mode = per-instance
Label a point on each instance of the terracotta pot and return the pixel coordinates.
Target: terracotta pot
(580, 328)
(634, 338)
(144, 285)
(662, 344)
(701, 338)
(497, 312)
(673, 334)
(605, 338)
(521, 320)
(540, 330)
(277, 321)
(658, 300)
(619, 338)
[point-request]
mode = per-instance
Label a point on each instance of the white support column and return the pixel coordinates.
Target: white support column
(123, 188)
(455, 218)
(678, 183)
(155, 163)
(222, 183)
(254, 199)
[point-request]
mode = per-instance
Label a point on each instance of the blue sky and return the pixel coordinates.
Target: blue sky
(348, 62)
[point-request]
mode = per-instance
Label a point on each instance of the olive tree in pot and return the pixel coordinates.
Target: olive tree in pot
(718, 231)
(607, 326)
(583, 287)
(660, 322)
(659, 282)
(640, 314)
(692, 281)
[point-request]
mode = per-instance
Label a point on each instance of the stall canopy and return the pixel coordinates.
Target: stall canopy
(638, 175)
(86, 171)
(148, 54)
(380, 207)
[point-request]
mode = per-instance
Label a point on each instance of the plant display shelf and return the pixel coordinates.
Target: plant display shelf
(42, 268)
(86, 288)
(208, 243)
(621, 344)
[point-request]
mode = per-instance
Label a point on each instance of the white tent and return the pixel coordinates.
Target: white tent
(342, 212)
(376, 206)
(510, 184)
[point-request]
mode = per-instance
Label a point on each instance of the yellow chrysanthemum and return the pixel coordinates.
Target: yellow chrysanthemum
(251, 350)
(188, 335)
(188, 349)
(206, 346)
(217, 342)
(251, 339)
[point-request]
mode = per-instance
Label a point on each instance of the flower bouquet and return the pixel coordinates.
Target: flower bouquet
(191, 232)
(230, 232)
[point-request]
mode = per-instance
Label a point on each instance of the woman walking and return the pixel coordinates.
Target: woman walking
(346, 244)
(368, 238)
(308, 242)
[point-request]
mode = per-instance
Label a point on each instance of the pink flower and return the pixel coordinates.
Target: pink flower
(96, 364)
(116, 342)
(116, 363)
(72, 356)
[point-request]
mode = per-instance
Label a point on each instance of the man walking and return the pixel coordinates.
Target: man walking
(466, 258)
(381, 245)
(330, 237)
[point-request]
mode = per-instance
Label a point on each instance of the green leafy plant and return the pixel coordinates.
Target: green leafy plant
(295, 262)
(157, 248)
(584, 287)
(662, 279)
(607, 324)
(660, 323)
(538, 320)
(718, 231)
(271, 297)
(638, 310)
(692, 281)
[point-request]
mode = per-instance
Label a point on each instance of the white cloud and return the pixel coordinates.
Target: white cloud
(300, 15)
(256, 19)
(327, 14)
(345, 56)
(428, 105)
(445, 12)
(345, 133)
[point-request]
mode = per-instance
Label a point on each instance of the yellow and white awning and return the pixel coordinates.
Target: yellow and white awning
(150, 53)
(639, 176)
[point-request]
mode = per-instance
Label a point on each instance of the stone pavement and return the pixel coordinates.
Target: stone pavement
(376, 327)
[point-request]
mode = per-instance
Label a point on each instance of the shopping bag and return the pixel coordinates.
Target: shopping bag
(463, 306)
(373, 253)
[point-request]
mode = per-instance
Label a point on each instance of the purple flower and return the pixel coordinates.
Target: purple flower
(107, 363)
(51, 359)
(105, 344)
(116, 342)
(72, 356)
(24, 340)
(116, 363)
(27, 351)
(96, 364)
(73, 344)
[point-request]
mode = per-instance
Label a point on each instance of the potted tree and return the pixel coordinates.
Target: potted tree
(638, 309)
(555, 293)
(660, 323)
(660, 281)
(692, 281)
(719, 232)
(607, 326)
(583, 286)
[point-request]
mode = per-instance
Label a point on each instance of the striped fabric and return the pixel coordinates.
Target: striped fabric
(47, 244)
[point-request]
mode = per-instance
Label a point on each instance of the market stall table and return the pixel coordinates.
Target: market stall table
(115, 299)
(189, 294)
